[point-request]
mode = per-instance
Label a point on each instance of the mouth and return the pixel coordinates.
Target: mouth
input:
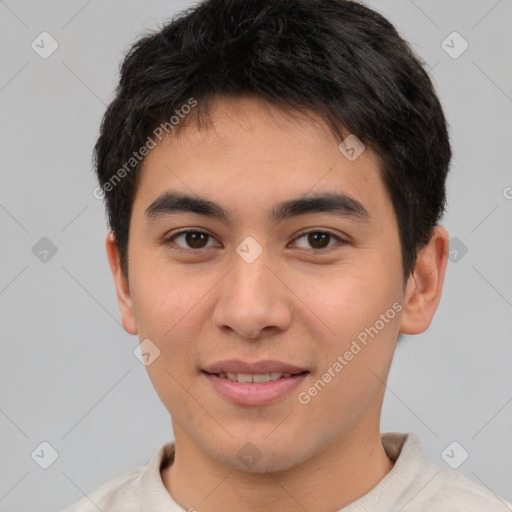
(254, 384)
(256, 378)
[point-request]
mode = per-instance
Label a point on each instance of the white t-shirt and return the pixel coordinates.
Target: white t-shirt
(415, 484)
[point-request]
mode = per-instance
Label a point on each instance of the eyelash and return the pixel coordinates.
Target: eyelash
(170, 240)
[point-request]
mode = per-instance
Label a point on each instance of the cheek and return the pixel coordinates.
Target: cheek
(164, 303)
(161, 297)
(349, 297)
(354, 366)
(172, 308)
(359, 314)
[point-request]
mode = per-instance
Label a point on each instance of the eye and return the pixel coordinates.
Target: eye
(194, 239)
(319, 240)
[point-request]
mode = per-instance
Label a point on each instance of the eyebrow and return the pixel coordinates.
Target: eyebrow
(330, 202)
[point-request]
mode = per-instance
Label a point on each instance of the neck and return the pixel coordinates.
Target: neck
(339, 475)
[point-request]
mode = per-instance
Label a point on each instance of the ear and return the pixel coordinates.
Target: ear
(425, 284)
(124, 298)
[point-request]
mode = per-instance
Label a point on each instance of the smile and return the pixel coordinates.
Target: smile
(254, 389)
(248, 377)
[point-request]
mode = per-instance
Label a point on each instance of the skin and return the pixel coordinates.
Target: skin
(289, 304)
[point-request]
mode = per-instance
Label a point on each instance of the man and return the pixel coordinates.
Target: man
(274, 174)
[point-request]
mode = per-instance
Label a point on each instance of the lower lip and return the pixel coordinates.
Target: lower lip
(254, 393)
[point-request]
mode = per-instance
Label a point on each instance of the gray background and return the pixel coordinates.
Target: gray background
(68, 375)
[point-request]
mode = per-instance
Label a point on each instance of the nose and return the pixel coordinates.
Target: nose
(252, 300)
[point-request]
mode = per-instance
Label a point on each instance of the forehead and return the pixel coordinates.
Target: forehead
(252, 153)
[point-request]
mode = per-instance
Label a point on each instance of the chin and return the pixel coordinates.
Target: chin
(253, 455)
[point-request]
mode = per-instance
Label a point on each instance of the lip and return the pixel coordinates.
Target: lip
(254, 393)
(239, 366)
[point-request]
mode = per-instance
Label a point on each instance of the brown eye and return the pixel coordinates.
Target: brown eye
(318, 240)
(196, 239)
(193, 239)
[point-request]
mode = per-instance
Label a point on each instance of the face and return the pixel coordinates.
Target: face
(318, 287)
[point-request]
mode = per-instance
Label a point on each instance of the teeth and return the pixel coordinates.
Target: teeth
(247, 377)
(261, 378)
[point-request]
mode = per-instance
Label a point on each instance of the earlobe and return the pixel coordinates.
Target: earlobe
(124, 298)
(425, 284)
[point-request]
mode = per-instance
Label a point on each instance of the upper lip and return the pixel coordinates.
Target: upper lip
(259, 367)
